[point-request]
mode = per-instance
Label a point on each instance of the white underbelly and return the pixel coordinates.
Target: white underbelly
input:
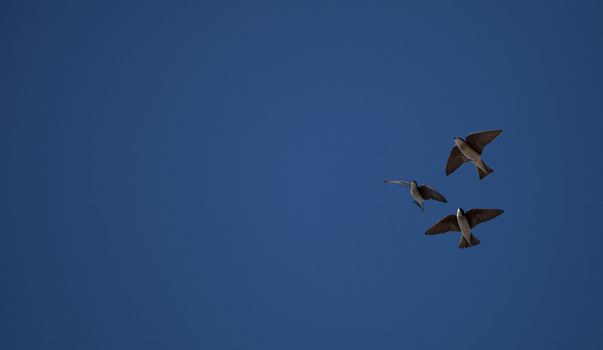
(470, 153)
(464, 226)
(416, 195)
(473, 156)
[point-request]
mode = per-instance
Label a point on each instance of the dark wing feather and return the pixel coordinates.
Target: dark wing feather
(455, 160)
(398, 182)
(428, 192)
(477, 216)
(478, 140)
(446, 224)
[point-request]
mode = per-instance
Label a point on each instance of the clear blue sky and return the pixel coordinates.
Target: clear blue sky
(209, 175)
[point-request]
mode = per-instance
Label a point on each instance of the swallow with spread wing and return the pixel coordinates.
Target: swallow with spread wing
(421, 193)
(464, 222)
(470, 150)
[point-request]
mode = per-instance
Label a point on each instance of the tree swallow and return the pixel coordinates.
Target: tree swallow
(464, 222)
(419, 194)
(470, 150)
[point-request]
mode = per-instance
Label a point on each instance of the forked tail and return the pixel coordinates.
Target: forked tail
(465, 244)
(481, 173)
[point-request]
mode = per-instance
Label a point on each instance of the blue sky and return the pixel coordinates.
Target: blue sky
(209, 175)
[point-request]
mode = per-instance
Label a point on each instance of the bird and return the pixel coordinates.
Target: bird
(421, 193)
(470, 150)
(464, 222)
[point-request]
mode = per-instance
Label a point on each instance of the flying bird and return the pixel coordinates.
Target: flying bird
(470, 150)
(464, 222)
(419, 194)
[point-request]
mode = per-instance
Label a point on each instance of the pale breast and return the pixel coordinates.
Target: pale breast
(463, 224)
(416, 195)
(468, 152)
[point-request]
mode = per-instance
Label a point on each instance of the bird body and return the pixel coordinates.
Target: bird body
(419, 194)
(470, 153)
(463, 225)
(470, 150)
(416, 195)
(463, 222)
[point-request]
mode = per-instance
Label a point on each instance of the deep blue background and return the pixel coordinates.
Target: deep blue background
(209, 175)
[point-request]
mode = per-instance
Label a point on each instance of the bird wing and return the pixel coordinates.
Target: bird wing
(428, 192)
(446, 224)
(478, 140)
(477, 216)
(455, 160)
(397, 182)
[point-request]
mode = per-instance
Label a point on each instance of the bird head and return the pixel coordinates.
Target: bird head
(460, 212)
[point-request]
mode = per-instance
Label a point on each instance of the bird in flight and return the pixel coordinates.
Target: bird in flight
(421, 193)
(464, 222)
(470, 150)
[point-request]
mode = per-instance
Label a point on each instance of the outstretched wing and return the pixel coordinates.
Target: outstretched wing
(428, 192)
(477, 216)
(455, 160)
(446, 224)
(397, 182)
(478, 140)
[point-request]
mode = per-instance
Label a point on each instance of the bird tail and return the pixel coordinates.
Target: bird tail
(465, 244)
(483, 174)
